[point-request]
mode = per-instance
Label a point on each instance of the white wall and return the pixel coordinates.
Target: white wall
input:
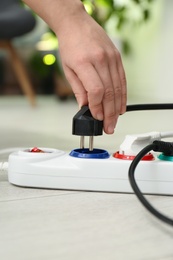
(149, 68)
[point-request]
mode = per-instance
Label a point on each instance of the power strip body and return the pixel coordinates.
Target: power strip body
(56, 169)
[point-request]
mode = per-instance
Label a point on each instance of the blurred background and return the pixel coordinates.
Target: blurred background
(141, 29)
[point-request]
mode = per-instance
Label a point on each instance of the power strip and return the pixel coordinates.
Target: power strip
(56, 169)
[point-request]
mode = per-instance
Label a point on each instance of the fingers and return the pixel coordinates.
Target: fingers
(110, 102)
(77, 87)
(94, 88)
(123, 82)
(111, 72)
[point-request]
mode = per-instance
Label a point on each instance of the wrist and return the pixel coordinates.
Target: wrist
(70, 11)
(57, 13)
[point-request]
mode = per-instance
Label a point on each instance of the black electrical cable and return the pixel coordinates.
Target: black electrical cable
(157, 106)
(136, 189)
(141, 154)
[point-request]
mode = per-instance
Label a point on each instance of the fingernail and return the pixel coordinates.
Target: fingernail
(100, 116)
(111, 129)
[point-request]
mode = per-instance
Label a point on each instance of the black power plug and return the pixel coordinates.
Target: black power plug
(84, 124)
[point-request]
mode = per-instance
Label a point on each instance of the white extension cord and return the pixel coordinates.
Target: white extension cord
(4, 164)
(3, 168)
(58, 170)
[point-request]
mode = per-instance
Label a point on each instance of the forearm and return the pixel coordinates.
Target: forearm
(55, 12)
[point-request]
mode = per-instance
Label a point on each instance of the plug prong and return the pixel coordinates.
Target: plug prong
(82, 142)
(91, 141)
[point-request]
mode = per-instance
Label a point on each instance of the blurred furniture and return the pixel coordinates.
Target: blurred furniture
(15, 21)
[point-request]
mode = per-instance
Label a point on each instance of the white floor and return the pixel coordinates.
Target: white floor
(51, 224)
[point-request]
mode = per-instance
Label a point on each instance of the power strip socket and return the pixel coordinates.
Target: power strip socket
(56, 169)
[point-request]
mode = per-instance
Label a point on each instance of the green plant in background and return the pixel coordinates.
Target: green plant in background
(46, 66)
(43, 61)
(119, 15)
(44, 56)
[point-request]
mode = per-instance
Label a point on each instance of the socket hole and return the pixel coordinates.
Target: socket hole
(148, 157)
(86, 153)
